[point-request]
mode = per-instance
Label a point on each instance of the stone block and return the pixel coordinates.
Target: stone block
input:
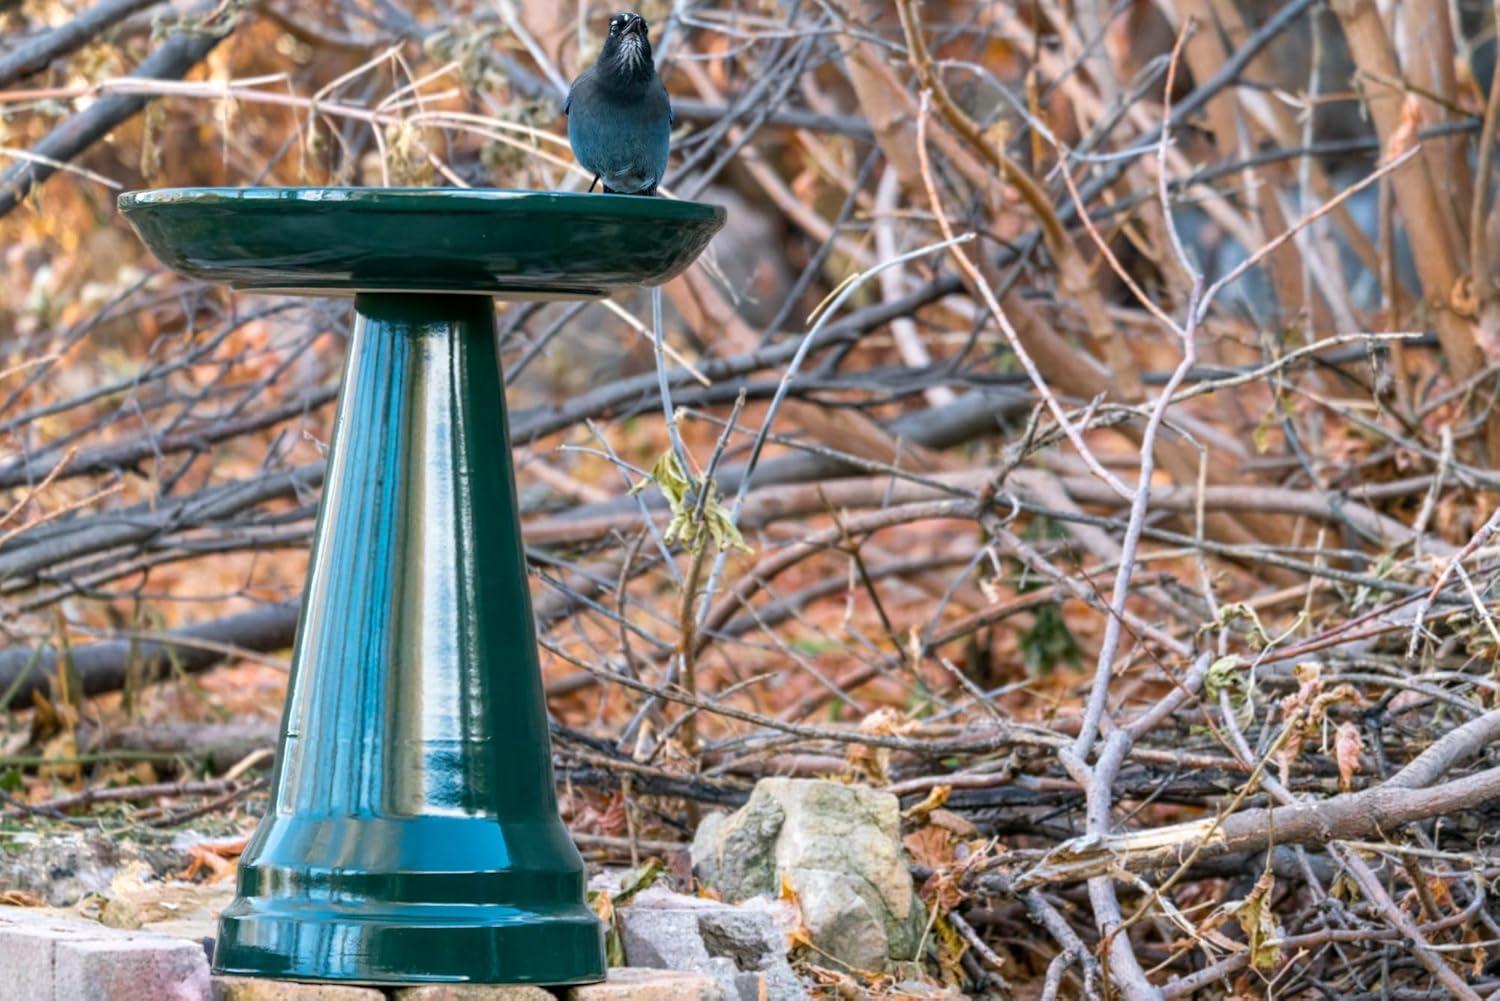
(129, 967)
(258, 989)
(473, 992)
(27, 941)
(48, 956)
(628, 983)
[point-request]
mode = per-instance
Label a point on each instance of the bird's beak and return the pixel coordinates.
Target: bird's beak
(637, 27)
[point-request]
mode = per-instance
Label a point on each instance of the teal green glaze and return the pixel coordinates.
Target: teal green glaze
(413, 834)
(515, 244)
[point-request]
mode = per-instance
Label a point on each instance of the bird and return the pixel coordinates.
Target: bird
(619, 116)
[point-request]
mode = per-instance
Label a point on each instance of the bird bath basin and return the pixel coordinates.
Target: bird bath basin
(412, 834)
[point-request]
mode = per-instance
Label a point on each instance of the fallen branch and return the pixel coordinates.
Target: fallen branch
(1341, 818)
(104, 667)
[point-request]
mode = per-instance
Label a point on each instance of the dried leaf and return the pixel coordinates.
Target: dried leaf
(950, 821)
(604, 908)
(1223, 674)
(931, 847)
(1237, 611)
(951, 949)
(408, 154)
(799, 938)
(941, 891)
(613, 821)
(1255, 917)
(1346, 747)
(214, 856)
(787, 891)
(874, 762)
(120, 913)
(136, 896)
(797, 935)
(634, 882)
(687, 526)
(935, 798)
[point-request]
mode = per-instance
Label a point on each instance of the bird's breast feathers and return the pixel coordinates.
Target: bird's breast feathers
(620, 128)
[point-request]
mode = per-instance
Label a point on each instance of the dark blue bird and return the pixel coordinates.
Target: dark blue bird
(619, 117)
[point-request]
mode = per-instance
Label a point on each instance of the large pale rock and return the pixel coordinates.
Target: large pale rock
(837, 847)
(631, 984)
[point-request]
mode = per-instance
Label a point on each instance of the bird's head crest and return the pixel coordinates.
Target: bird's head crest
(627, 50)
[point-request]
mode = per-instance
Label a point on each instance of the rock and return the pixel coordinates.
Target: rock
(740, 849)
(842, 921)
(744, 948)
(63, 959)
(473, 992)
(257, 989)
(627, 983)
(662, 939)
(837, 847)
(64, 868)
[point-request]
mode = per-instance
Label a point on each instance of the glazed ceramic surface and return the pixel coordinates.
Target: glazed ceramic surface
(513, 244)
(412, 834)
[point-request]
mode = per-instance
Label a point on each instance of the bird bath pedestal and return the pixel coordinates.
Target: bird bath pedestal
(412, 834)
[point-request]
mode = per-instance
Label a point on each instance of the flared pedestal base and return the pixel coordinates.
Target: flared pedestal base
(417, 943)
(413, 833)
(407, 944)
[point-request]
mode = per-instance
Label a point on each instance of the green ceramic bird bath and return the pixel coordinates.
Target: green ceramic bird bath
(412, 834)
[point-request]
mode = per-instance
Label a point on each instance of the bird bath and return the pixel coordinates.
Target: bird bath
(412, 834)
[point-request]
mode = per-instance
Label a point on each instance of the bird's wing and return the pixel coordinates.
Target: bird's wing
(671, 114)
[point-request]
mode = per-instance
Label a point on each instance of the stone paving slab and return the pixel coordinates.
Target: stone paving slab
(135, 967)
(44, 957)
(48, 956)
(629, 983)
(472, 992)
(257, 989)
(624, 984)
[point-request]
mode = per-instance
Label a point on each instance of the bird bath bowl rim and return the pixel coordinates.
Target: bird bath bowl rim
(509, 243)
